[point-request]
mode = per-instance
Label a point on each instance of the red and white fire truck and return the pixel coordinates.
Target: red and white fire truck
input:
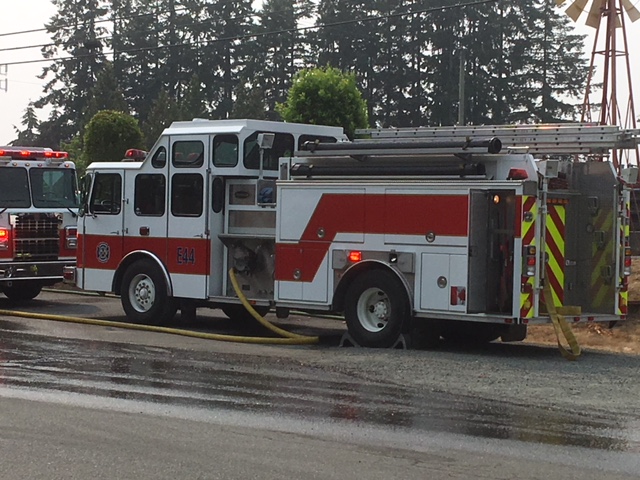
(452, 232)
(38, 210)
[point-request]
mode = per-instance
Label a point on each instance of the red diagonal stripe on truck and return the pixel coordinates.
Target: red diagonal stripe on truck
(444, 215)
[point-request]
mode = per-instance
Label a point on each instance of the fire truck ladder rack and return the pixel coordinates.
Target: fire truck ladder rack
(547, 139)
(378, 147)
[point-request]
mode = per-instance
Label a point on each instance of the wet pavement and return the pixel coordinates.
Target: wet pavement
(275, 386)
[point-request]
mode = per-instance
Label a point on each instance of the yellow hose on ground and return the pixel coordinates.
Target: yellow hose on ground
(152, 328)
(561, 327)
(261, 319)
(289, 337)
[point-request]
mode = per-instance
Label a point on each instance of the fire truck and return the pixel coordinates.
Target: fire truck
(38, 210)
(467, 233)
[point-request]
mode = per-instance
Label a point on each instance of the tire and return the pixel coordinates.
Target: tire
(21, 291)
(376, 309)
(239, 314)
(144, 294)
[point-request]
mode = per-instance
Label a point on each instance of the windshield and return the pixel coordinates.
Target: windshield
(14, 188)
(53, 187)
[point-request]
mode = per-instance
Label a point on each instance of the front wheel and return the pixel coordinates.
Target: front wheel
(376, 309)
(21, 291)
(144, 294)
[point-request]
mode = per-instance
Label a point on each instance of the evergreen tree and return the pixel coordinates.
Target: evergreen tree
(136, 57)
(193, 104)
(77, 37)
(280, 48)
(249, 102)
(106, 94)
(164, 110)
(351, 46)
(221, 29)
(29, 135)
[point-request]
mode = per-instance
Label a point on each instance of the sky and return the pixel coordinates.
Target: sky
(23, 85)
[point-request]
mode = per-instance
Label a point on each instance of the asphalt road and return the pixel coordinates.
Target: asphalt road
(80, 401)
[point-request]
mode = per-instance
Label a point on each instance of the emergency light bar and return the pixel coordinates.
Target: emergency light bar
(22, 154)
(135, 154)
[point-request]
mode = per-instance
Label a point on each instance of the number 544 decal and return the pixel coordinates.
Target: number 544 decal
(186, 256)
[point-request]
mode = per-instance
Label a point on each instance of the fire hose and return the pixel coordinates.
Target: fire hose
(288, 338)
(561, 327)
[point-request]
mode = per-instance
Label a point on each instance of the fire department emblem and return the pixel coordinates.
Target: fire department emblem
(103, 252)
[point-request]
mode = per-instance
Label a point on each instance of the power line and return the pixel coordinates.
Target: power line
(113, 19)
(260, 35)
(28, 47)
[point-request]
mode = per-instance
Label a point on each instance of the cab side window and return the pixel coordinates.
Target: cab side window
(159, 159)
(186, 194)
(150, 195)
(188, 154)
(282, 147)
(225, 151)
(106, 197)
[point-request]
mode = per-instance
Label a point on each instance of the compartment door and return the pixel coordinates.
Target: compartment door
(478, 251)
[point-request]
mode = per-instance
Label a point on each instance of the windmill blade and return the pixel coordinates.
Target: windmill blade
(577, 7)
(632, 11)
(595, 13)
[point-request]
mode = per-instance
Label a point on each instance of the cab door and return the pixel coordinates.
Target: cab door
(102, 231)
(188, 246)
(146, 206)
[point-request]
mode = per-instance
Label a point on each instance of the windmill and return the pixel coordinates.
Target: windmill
(607, 17)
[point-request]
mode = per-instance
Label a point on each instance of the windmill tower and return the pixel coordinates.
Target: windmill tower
(607, 17)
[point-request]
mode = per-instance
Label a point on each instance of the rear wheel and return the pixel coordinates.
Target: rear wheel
(376, 309)
(144, 294)
(238, 313)
(21, 291)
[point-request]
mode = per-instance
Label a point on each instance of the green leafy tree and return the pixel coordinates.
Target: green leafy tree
(325, 96)
(108, 136)
(76, 153)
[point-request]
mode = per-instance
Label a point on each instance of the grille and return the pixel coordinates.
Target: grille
(36, 237)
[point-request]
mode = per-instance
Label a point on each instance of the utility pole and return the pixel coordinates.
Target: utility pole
(461, 103)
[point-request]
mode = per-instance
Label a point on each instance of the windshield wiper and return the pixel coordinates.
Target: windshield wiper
(58, 203)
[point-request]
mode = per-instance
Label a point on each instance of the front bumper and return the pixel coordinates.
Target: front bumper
(44, 271)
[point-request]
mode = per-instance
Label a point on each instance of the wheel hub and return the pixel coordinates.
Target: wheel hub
(379, 309)
(374, 309)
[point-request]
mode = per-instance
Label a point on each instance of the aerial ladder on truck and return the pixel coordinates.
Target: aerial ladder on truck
(543, 226)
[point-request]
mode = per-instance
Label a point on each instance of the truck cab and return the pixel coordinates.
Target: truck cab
(38, 211)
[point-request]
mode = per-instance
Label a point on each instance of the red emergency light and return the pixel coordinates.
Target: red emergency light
(23, 154)
(135, 154)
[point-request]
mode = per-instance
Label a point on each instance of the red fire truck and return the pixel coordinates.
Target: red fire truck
(452, 232)
(38, 210)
